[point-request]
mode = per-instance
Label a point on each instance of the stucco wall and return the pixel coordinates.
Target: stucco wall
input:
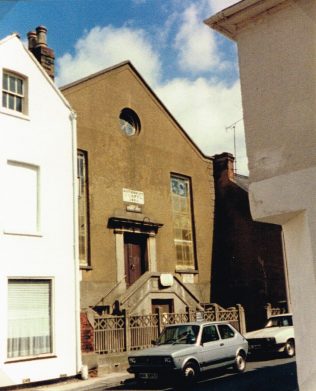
(42, 138)
(277, 67)
(143, 163)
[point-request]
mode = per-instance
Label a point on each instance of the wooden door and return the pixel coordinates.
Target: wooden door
(135, 246)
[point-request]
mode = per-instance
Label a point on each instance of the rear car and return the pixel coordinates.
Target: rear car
(277, 336)
(183, 351)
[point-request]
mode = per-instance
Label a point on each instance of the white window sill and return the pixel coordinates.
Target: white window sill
(17, 233)
(14, 113)
(29, 358)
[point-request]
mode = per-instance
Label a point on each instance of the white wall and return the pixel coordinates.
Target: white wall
(43, 138)
(277, 67)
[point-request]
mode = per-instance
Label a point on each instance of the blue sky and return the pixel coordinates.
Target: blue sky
(192, 69)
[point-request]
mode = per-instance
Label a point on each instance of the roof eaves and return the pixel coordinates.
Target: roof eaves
(38, 65)
(95, 74)
(8, 37)
(47, 77)
(232, 19)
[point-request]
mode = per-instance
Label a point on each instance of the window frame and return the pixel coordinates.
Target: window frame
(223, 333)
(87, 264)
(50, 280)
(213, 327)
(15, 94)
(181, 267)
(9, 230)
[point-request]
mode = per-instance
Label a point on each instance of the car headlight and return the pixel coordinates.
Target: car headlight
(168, 360)
(132, 360)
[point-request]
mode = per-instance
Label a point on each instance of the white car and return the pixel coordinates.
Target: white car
(277, 336)
(185, 350)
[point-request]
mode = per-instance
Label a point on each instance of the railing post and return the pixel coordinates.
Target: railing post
(241, 319)
(216, 310)
(127, 331)
(191, 314)
(268, 309)
(160, 323)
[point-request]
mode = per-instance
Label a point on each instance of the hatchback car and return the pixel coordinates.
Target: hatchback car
(277, 336)
(189, 349)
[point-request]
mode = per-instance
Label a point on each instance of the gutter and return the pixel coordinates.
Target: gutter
(231, 20)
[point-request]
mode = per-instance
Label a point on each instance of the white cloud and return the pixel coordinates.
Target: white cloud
(218, 5)
(107, 46)
(195, 43)
(204, 109)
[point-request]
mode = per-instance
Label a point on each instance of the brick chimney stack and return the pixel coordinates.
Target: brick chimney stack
(224, 164)
(37, 44)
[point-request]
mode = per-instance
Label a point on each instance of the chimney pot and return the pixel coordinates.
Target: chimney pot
(38, 46)
(32, 39)
(41, 32)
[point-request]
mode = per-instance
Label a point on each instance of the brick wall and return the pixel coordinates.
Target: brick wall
(87, 334)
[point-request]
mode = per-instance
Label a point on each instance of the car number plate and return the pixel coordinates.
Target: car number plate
(148, 375)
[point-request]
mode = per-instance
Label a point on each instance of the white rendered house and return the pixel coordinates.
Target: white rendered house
(39, 303)
(277, 58)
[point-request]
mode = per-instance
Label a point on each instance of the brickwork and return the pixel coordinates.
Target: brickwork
(87, 335)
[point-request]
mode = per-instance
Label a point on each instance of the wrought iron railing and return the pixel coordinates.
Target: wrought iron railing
(115, 334)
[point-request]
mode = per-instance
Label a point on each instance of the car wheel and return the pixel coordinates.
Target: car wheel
(190, 372)
(240, 362)
(290, 348)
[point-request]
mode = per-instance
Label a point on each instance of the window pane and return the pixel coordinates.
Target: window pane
(12, 83)
(18, 102)
(4, 99)
(19, 86)
(29, 318)
(225, 331)
(182, 221)
(5, 82)
(83, 208)
(12, 93)
(209, 334)
(11, 102)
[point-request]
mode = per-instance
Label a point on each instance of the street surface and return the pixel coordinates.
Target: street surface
(272, 375)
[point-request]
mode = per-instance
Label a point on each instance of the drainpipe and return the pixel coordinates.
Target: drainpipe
(286, 274)
(73, 119)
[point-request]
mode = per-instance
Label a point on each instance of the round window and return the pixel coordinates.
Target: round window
(129, 122)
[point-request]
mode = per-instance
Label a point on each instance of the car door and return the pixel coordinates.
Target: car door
(213, 352)
(229, 341)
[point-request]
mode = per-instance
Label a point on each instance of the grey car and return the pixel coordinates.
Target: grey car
(188, 349)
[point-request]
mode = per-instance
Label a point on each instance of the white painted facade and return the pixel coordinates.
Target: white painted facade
(276, 46)
(38, 216)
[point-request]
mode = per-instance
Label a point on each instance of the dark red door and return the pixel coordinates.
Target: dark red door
(135, 246)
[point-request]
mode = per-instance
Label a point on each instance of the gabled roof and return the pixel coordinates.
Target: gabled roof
(38, 65)
(146, 85)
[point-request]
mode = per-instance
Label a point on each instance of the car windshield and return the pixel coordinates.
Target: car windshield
(279, 321)
(179, 334)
